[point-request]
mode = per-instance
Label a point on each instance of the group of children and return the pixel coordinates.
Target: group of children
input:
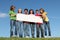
(29, 29)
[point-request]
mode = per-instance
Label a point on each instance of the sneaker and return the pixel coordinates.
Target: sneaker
(27, 36)
(47, 36)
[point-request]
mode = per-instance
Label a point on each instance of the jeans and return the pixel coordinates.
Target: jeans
(41, 30)
(47, 28)
(20, 28)
(33, 30)
(37, 27)
(12, 26)
(27, 30)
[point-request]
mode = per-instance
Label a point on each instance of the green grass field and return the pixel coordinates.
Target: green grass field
(1, 38)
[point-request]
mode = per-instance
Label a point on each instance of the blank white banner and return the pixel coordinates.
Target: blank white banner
(29, 18)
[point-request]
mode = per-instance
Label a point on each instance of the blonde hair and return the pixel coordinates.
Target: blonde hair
(19, 9)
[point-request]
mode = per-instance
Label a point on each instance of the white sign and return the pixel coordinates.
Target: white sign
(29, 18)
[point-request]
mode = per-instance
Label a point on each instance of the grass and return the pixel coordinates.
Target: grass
(15, 38)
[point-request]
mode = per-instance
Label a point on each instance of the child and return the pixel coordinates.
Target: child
(20, 24)
(32, 25)
(46, 22)
(26, 26)
(37, 13)
(39, 26)
(12, 21)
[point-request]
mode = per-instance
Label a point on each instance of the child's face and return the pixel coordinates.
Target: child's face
(41, 11)
(31, 12)
(19, 11)
(26, 11)
(13, 8)
(37, 12)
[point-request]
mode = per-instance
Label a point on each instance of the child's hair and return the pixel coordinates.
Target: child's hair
(31, 10)
(26, 9)
(19, 9)
(37, 10)
(11, 8)
(42, 9)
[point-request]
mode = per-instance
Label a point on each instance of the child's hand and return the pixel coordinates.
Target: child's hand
(13, 14)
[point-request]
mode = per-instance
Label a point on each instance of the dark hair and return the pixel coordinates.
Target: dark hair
(11, 8)
(31, 10)
(42, 9)
(26, 9)
(37, 10)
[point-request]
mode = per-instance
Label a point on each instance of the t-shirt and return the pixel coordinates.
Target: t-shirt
(37, 14)
(45, 18)
(12, 13)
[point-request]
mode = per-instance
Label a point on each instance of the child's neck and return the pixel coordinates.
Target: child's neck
(31, 14)
(26, 13)
(19, 13)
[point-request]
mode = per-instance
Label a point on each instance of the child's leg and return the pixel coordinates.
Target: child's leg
(20, 33)
(30, 31)
(25, 29)
(37, 26)
(45, 28)
(11, 28)
(49, 31)
(24, 26)
(16, 27)
(41, 29)
(33, 30)
(35, 34)
(20, 29)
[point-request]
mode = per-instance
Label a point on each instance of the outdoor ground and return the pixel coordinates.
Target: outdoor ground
(15, 38)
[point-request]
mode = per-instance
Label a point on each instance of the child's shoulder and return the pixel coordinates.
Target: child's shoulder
(45, 12)
(10, 11)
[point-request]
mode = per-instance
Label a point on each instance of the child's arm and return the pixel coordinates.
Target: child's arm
(44, 15)
(12, 14)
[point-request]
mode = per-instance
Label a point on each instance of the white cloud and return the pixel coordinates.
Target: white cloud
(3, 15)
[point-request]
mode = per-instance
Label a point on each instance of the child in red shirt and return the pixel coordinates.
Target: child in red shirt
(39, 26)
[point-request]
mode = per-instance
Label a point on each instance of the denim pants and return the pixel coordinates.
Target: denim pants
(41, 30)
(20, 28)
(12, 26)
(27, 30)
(47, 28)
(33, 30)
(37, 28)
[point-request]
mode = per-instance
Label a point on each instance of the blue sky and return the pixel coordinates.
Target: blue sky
(50, 6)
